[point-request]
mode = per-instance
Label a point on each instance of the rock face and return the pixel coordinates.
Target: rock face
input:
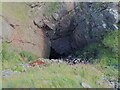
(21, 33)
(92, 19)
(68, 27)
(73, 25)
(29, 39)
(119, 11)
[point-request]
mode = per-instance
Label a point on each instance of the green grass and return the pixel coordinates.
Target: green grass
(54, 75)
(28, 55)
(0, 6)
(111, 40)
(18, 11)
(107, 51)
(107, 57)
(89, 50)
(98, 4)
(65, 76)
(59, 75)
(51, 75)
(52, 6)
(11, 57)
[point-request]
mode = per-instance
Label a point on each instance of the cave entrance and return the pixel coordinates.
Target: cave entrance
(55, 55)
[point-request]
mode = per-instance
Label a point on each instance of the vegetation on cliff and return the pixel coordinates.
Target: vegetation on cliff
(104, 54)
(100, 72)
(11, 57)
(62, 75)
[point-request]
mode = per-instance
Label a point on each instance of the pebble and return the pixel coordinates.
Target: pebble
(85, 85)
(60, 61)
(93, 68)
(54, 60)
(103, 78)
(24, 70)
(77, 76)
(99, 82)
(24, 65)
(112, 84)
(117, 85)
(47, 81)
(9, 71)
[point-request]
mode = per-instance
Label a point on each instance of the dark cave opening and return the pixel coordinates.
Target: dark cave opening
(55, 55)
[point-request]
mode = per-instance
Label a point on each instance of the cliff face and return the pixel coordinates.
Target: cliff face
(59, 27)
(73, 25)
(18, 30)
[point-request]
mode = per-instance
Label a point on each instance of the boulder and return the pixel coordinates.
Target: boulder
(50, 24)
(56, 16)
(85, 85)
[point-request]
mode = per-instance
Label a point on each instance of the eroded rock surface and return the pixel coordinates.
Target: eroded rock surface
(22, 33)
(73, 25)
(65, 27)
(29, 39)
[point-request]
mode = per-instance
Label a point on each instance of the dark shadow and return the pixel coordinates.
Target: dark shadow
(55, 55)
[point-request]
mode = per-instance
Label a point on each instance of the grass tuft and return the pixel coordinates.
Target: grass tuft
(52, 6)
(29, 56)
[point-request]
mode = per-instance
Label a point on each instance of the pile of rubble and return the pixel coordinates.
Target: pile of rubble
(74, 60)
(70, 60)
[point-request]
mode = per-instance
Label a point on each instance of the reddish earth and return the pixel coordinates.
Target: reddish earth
(36, 62)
